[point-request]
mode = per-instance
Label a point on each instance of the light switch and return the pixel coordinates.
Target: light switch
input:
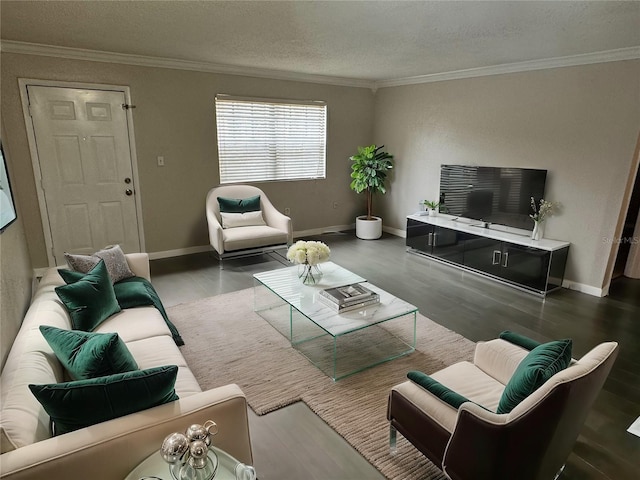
(161, 161)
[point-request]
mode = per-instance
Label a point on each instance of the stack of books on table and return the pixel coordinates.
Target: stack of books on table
(348, 297)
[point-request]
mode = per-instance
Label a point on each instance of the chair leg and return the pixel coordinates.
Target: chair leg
(559, 473)
(218, 257)
(393, 434)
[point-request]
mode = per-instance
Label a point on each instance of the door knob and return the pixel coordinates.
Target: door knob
(129, 192)
(127, 180)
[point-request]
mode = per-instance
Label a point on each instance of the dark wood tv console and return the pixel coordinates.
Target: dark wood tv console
(507, 254)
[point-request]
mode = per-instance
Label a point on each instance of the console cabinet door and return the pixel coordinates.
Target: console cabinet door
(526, 266)
(448, 244)
(419, 235)
(483, 254)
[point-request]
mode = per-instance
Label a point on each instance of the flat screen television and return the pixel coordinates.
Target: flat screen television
(491, 194)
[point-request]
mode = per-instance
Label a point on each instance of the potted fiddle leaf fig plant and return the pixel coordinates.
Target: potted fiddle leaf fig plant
(369, 174)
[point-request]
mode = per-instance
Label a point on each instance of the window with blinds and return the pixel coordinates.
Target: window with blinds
(260, 140)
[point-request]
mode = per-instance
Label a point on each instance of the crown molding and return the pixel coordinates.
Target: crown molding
(24, 48)
(630, 53)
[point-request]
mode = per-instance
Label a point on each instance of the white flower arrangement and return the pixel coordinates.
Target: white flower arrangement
(546, 209)
(308, 252)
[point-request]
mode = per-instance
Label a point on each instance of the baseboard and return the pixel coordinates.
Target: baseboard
(319, 231)
(395, 231)
(178, 252)
(296, 235)
(583, 288)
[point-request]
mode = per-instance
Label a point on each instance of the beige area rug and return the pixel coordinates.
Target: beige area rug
(226, 342)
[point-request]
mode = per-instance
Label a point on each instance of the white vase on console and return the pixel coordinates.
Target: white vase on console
(538, 230)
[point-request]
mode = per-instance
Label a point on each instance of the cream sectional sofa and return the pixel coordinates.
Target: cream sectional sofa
(107, 450)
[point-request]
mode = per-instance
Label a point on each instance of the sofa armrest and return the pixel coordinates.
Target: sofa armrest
(275, 219)
(281, 222)
(112, 449)
(139, 264)
(498, 358)
(475, 424)
(216, 238)
(520, 340)
(434, 387)
(508, 446)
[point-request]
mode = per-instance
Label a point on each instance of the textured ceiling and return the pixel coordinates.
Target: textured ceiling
(367, 40)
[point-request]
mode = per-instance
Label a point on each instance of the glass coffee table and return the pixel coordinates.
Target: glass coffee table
(338, 344)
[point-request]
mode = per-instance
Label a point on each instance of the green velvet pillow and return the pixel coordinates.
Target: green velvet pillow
(239, 205)
(540, 364)
(88, 355)
(70, 276)
(81, 403)
(91, 300)
(436, 388)
(133, 292)
(520, 340)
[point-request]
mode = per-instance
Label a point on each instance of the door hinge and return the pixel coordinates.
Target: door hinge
(30, 111)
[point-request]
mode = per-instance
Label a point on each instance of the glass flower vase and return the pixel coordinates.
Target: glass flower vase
(309, 274)
(538, 230)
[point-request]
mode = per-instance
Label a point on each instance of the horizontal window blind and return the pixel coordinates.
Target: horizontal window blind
(262, 140)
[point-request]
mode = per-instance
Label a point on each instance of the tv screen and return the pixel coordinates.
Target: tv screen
(491, 194)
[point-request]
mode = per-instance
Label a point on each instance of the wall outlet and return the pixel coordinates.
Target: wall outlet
(287, 211)
(335, 204)
(161, 161)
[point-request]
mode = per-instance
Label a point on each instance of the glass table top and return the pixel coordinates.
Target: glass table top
(285, 283)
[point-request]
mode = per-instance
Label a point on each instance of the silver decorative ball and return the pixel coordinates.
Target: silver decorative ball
(174, 447)
(198, 450)
(197, 432)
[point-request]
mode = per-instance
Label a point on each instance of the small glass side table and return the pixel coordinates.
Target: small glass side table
(155, 468)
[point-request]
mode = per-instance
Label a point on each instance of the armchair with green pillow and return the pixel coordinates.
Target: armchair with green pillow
(242, 221)
(95, 379)
(514, 412)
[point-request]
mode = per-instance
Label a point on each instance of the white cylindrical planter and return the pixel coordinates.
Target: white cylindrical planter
(368, 229)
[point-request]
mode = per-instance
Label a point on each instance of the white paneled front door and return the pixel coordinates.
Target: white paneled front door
(82, 141)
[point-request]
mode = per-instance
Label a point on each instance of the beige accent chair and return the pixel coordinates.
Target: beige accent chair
(531, 442)
(246, 240)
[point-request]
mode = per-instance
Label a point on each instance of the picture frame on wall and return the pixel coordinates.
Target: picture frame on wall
(7, 206)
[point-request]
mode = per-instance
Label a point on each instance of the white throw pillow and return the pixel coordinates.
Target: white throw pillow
(246, 219)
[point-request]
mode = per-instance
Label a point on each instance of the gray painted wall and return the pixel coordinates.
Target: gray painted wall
(175, 118)
(16, 275)
(579, 123)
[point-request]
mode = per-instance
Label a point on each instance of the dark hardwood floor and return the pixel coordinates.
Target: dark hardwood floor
(473, 306)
